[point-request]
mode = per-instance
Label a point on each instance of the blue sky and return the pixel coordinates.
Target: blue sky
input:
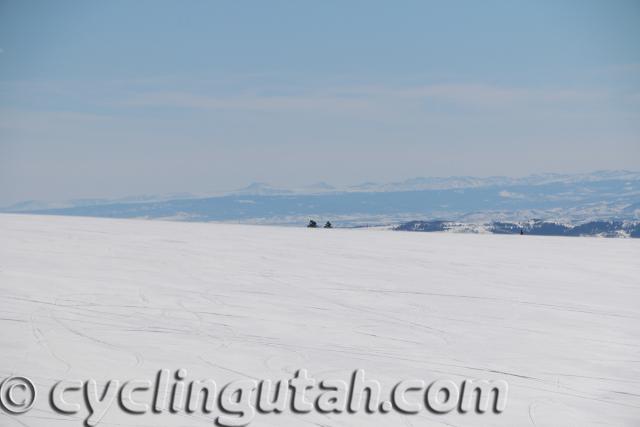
(107, 99)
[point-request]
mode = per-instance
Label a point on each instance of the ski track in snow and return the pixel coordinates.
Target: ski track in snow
(557, 318)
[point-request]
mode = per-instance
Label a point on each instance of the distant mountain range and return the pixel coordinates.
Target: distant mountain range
(564, 198)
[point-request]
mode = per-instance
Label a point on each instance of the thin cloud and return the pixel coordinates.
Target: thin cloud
(248, 102)
(372, 98)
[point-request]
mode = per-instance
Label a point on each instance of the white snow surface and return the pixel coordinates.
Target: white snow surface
(557, 318)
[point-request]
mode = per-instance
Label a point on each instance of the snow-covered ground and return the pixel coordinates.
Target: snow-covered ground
(557, 318)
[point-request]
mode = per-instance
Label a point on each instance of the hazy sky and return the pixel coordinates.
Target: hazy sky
(109, 98)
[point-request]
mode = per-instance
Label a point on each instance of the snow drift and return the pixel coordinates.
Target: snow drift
(556, 318)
